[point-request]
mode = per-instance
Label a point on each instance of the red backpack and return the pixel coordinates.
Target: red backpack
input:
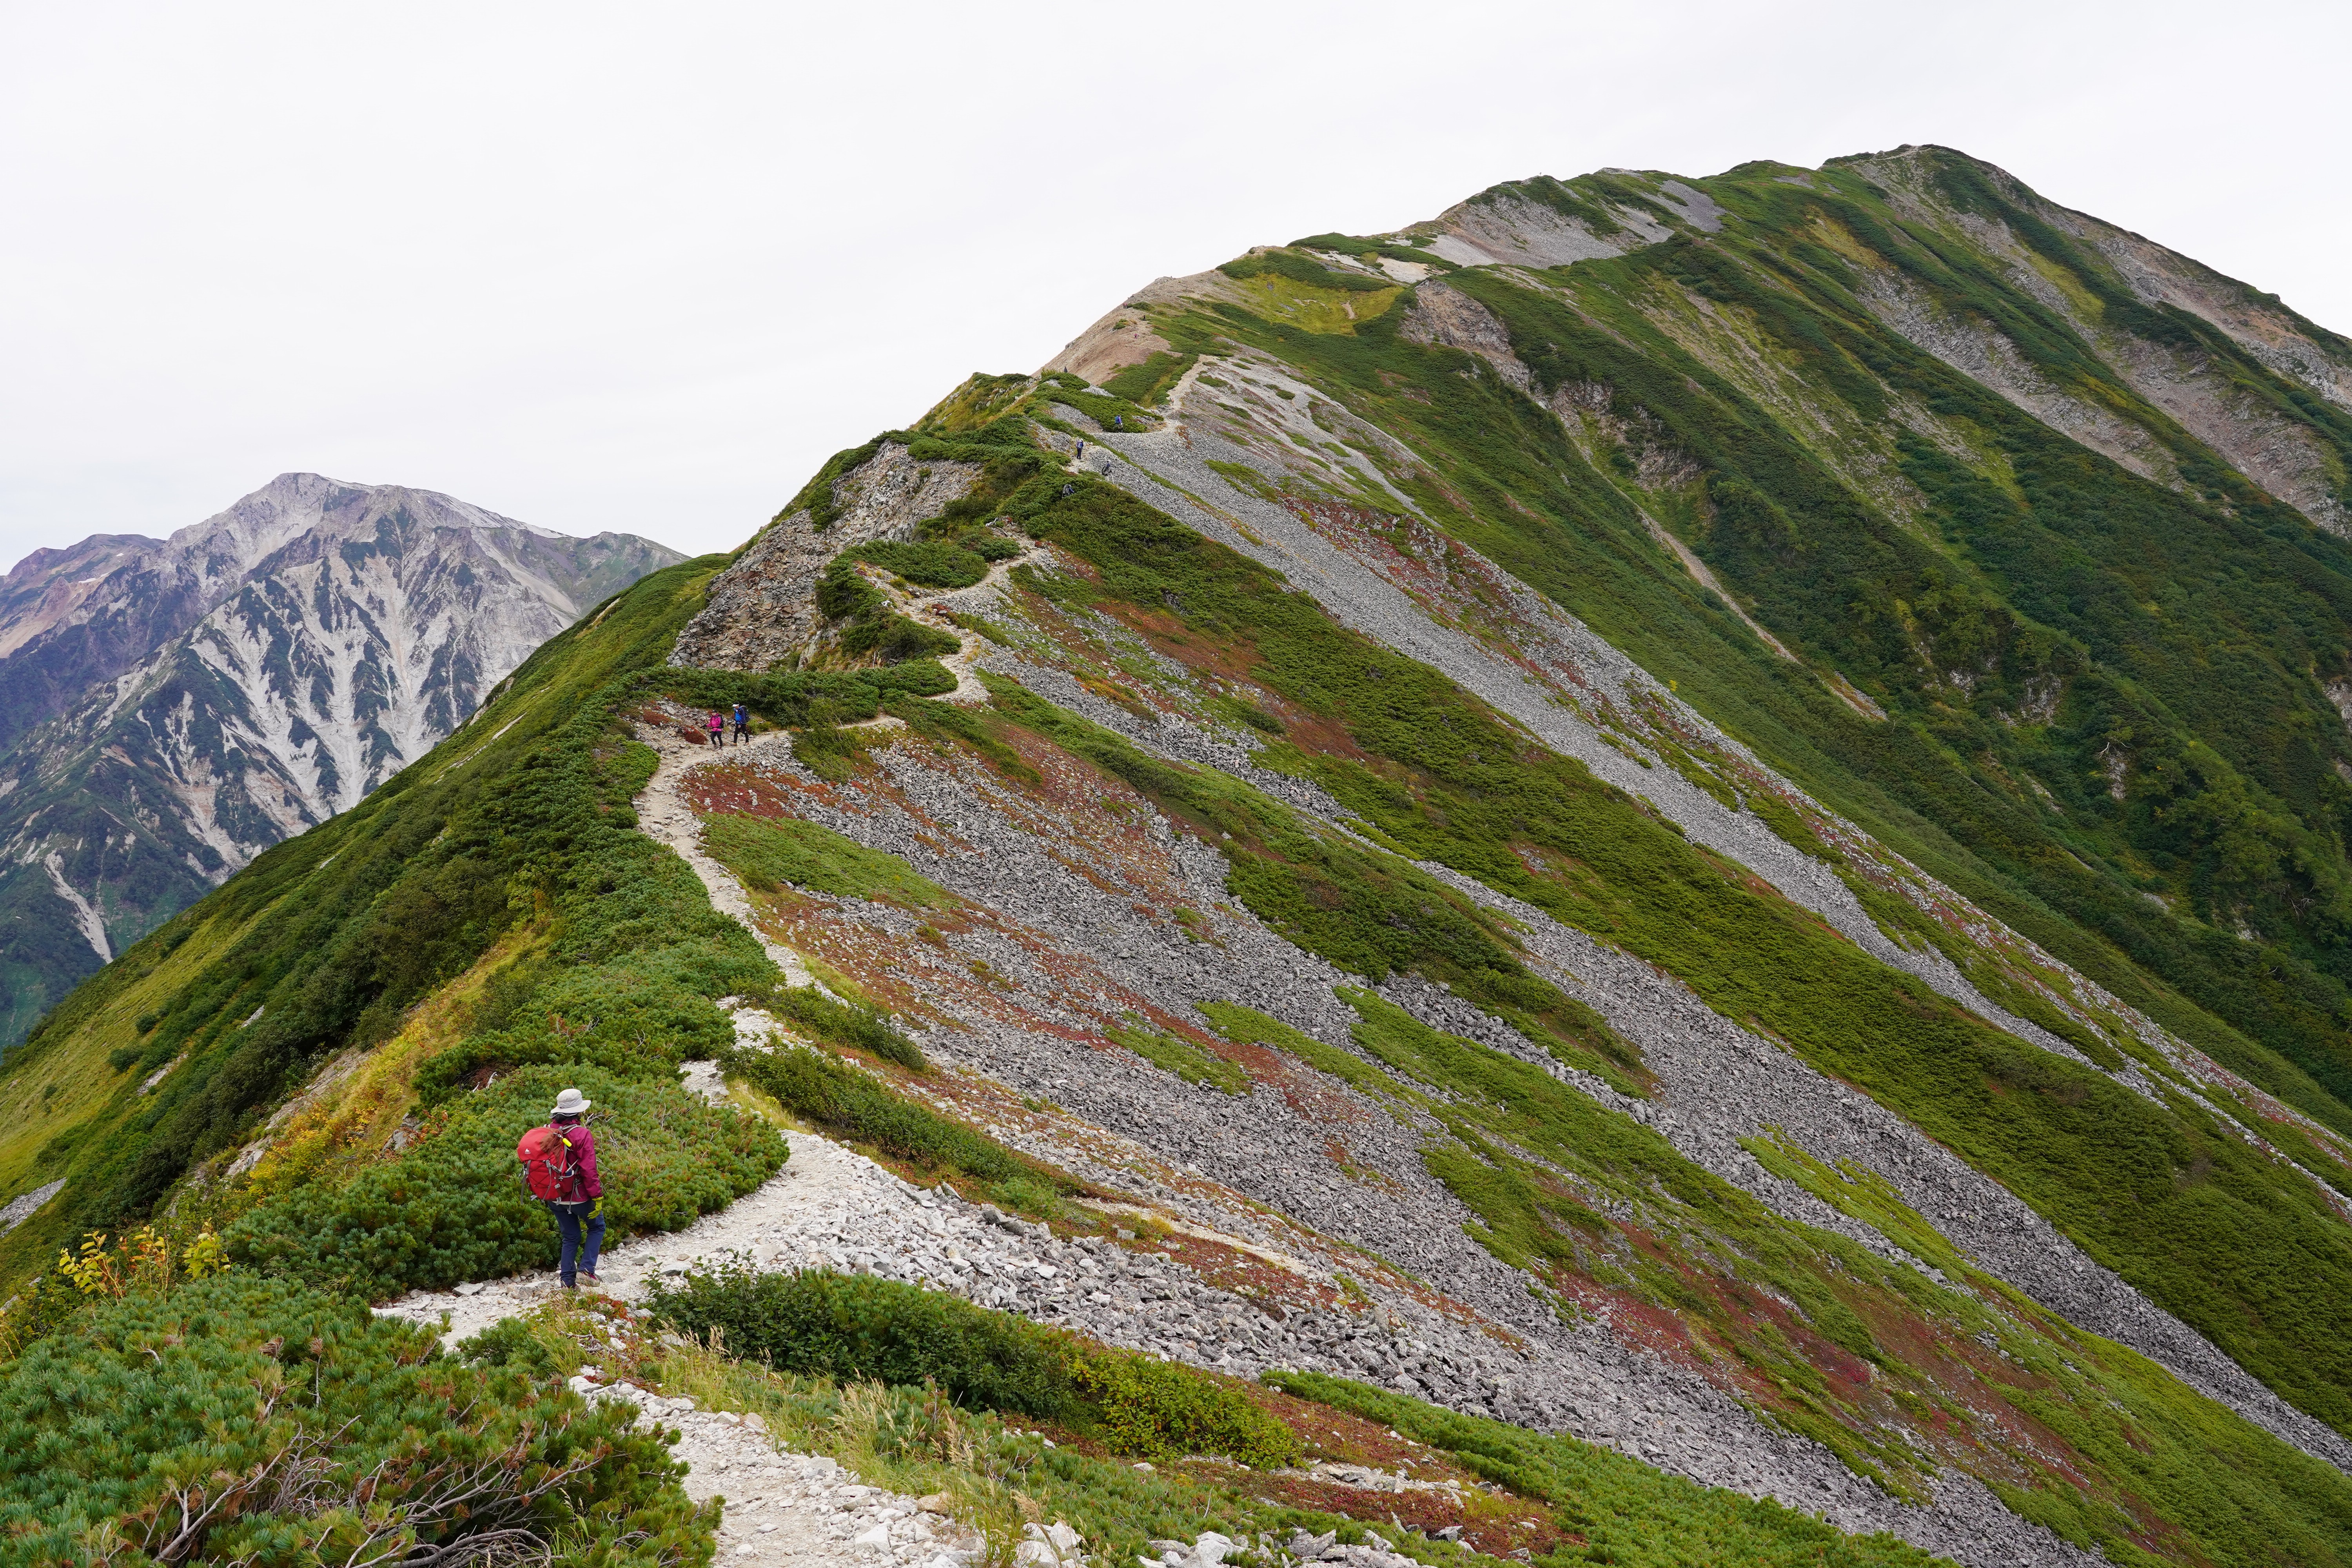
(546, 1156)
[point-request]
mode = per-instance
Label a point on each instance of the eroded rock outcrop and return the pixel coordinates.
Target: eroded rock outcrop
(763, 609)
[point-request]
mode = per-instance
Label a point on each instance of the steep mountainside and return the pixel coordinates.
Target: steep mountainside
(175, 707)
(1705, 816)
(1893, 436)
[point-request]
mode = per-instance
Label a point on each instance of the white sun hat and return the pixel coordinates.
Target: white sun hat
(570, 1102)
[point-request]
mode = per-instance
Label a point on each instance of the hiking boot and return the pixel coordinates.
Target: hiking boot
(591, 1279)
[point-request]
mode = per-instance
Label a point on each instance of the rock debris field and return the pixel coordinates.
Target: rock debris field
(1721, 1082)
(832, 1208)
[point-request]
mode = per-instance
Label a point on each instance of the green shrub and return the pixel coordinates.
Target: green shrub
(831, 752)
(454, 1207)
(1247, 1026)
(1144, 384)
(930, 562)
(772, 852)
(1249, 713)
(856, 1105)
(1157, 1409)
(895, 639)
(843, 595)
(943, 722)
(508, 1343)
(846, 1023)
(497, 1053)
(844, 591)
(299, 1430)
(637, 1017)
(1172, 1053)
(1302, 269)
(853, 1327)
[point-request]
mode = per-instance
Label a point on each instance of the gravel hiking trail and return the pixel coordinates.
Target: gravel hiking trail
(829, 1207)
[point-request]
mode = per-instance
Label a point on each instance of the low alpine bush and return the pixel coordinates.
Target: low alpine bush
(1160, 1410)
(930, 562)
(508, 1343)
(635, 1017)
(856, 1328)
(772, 852)
(854, 1105)
(241, 1419)
(454, 1207)
(846, 1023)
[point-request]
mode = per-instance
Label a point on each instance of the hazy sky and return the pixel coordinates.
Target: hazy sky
(643, 268)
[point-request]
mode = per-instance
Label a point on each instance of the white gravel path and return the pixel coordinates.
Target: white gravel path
(668, 820)
(797, 1510)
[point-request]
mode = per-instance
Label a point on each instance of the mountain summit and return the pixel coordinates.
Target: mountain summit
(1651, 873)
(173, 707)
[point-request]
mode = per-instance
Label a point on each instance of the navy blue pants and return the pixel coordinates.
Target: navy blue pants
(582, 1234)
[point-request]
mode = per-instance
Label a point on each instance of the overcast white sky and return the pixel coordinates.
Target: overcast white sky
(643, 268)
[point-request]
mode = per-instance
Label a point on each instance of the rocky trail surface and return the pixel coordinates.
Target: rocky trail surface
(793, 1511)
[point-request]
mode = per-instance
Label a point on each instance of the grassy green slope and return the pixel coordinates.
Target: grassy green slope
(2033, 617)
(2247, 1250)
(328, 937)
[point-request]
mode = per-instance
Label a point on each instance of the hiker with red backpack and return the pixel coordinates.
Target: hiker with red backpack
(558, 1166)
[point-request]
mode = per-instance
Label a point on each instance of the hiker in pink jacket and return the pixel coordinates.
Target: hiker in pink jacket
(579, 1204)
(718, 728)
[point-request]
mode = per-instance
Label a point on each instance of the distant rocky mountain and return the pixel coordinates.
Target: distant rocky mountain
(171, 708)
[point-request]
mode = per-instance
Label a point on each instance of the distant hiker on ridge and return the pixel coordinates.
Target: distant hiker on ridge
(742, 725)
(558, 1166)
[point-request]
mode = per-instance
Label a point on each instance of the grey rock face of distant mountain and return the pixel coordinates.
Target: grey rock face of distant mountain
(172, 708)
